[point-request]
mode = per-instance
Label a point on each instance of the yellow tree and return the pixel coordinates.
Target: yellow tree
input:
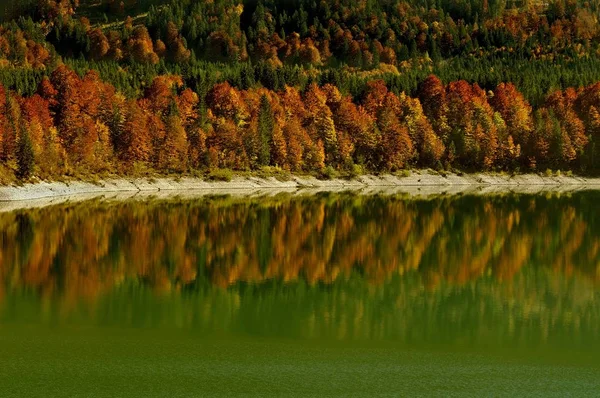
(517, 116)
(320, 123)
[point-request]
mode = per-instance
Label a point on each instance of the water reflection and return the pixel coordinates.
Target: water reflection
(512, 269)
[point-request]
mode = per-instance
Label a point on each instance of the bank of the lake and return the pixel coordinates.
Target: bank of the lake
(416, 182)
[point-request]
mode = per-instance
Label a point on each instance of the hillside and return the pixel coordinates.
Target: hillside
(143, 86)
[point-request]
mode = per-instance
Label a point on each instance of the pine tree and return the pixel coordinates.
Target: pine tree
(25, 156)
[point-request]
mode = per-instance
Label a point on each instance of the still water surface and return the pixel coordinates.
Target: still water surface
(320, 295)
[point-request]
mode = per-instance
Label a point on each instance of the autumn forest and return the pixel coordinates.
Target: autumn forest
(111, 87)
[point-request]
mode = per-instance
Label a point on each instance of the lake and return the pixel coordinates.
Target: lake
(303, 295)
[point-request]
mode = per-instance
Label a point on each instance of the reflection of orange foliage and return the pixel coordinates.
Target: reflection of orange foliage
(85, 249)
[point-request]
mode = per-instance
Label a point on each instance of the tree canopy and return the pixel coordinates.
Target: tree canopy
(174, 86)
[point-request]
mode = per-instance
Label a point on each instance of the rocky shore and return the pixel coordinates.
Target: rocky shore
(416, 183)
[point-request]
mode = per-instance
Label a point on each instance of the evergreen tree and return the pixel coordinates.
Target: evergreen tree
(25, 156)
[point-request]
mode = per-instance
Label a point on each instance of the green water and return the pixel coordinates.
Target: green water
(309, 295)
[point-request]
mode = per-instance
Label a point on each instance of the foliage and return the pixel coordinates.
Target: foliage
(25, 157)
(174, 86)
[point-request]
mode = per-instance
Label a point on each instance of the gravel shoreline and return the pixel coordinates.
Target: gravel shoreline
(416, 182)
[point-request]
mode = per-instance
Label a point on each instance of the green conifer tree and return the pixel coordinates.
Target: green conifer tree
(25, 156)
